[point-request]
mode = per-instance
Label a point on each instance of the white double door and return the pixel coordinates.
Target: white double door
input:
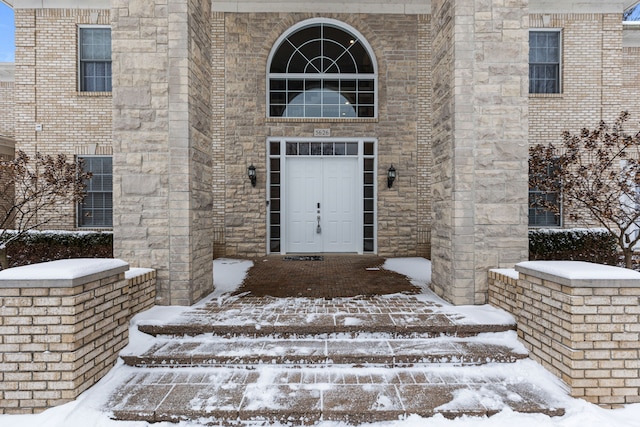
(323, 205)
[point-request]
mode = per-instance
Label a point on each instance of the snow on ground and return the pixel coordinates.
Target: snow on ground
(228, 275)
(418, 270)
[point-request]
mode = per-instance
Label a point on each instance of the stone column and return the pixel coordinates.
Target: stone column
(162, 143)
(480, 143)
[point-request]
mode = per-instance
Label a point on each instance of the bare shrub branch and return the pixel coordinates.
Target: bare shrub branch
(33, 192)
(597, 174)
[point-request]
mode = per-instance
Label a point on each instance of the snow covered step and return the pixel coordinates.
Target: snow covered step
(372, 349)
(402, 315)
(294, 395)
(307, 325)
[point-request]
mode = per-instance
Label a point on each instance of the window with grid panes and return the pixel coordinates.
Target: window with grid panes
(539, 215)
(544, 61)
(95, 59)
(96, 209)
(322, 70)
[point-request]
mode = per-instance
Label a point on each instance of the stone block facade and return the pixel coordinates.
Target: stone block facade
(585, 331)
(162, 139)
(403, 89)
(480, 116)
(58, 337)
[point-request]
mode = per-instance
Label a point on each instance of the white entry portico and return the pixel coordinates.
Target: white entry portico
(322, 196)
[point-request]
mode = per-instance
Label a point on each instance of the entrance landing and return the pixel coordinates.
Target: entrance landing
(332, 277)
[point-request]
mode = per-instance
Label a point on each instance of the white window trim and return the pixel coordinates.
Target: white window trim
(561, 60)
(78, 59)
(78, 224)
(283, 156)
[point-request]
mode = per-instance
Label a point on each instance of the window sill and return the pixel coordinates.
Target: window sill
(88, 94)
(320, 120)
(546, 95)
(96, 229)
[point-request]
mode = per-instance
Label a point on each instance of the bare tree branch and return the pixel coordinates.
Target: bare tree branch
(32, 189)
(597, 174)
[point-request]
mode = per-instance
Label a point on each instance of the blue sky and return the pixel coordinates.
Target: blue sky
(7, 41)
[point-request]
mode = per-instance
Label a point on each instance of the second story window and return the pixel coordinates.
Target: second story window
(95, 59)
(322, 68)
(544, 61)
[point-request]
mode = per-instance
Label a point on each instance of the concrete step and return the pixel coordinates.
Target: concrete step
(303, 396)
(399, 315)
(374, 350)
(297, 326)
(297, 361)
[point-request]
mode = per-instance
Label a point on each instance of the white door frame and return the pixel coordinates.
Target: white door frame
(283, 192)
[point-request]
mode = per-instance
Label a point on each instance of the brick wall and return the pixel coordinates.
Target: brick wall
(46, 90)
(7, 194)
(7, 127)
(631, 86)
(424, 155)
(56, 342)
(480, 116)
(592, 72)
(585, 331)
(217, 131)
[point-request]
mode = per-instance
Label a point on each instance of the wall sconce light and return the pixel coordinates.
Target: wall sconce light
(391, 176)
(251, 172)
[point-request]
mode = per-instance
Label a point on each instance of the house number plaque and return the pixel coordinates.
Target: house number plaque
(322, 132)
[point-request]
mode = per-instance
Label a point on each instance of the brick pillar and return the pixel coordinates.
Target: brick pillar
(480, 139)
(162, 143)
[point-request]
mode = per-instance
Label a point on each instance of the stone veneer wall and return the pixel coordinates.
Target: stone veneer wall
(60, 337)
(587, 332)
(196, 222)
(46, 91)
(394, 38)
(162, 143)
(480, 150)
(442, 69)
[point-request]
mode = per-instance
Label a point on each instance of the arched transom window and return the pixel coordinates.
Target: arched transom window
(322, 68)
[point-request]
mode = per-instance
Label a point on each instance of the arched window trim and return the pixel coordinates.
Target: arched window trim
(310, 23)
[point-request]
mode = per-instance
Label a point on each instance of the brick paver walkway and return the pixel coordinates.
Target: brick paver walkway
(334, 276)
